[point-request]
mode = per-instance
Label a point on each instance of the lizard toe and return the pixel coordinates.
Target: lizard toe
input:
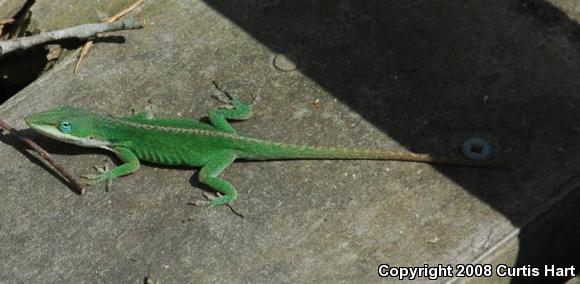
(90, 177)
(200, 203)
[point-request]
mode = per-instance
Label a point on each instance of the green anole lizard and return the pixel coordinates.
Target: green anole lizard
(212, 146)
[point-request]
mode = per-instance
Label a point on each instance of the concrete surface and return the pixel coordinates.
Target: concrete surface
(421, 75)
(9, 8)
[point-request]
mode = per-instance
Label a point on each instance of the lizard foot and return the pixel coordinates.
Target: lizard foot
(95, 179)
(226, 103)
(224, 97)
(200, 203)
(207, 195)
(230, 101)
(211, 197)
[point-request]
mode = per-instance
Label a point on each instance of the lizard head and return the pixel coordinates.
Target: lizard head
(67, 124)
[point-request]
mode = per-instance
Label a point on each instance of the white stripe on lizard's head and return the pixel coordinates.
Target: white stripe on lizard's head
(68, 124)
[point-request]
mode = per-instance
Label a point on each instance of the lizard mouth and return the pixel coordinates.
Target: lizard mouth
(54, 133)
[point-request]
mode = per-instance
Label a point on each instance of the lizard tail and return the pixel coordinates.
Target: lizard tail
(281, 151)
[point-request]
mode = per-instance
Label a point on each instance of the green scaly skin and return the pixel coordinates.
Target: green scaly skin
(213, 147)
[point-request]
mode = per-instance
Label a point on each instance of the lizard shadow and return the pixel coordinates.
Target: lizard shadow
(431, 74)
(50, 145)
(55, 147)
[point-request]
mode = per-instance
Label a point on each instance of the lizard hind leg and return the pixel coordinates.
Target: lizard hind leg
(234, 109)
(209, 176)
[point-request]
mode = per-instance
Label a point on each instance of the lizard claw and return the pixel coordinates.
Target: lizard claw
(207, 195)
(210, 196)
(90, 177)
(200, 203)
(229, 101)
(255, 99)
(95, 179)
(101, 170)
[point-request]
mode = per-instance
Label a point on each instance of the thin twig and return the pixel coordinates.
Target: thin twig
(78, 188)
(87, 46)
(6, 21)
(80, 32)
(84, 51)
(124, 11)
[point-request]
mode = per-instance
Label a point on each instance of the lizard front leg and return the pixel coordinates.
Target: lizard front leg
(209, 176)
(131, 164)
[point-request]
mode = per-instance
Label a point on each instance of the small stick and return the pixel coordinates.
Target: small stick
(124, 12)
(80, 32)
(6, 21)
(87, 46)
(78, 188)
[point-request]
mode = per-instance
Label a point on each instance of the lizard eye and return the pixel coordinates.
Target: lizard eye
(64, 126)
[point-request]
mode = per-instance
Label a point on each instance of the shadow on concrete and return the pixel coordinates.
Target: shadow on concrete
(432, 73)
(20, 68)
(52, 147)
